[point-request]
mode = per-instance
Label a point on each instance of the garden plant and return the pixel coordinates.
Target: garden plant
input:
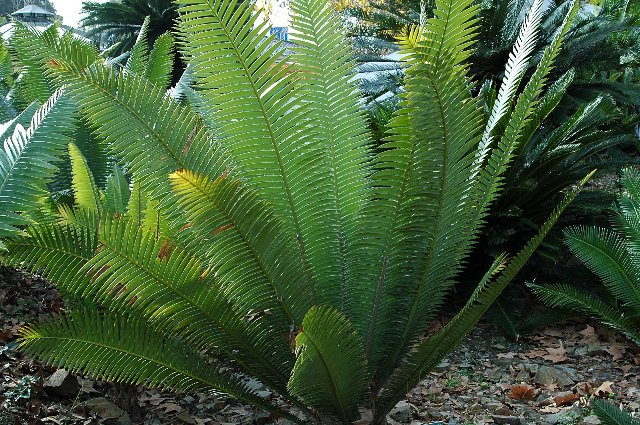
(260, 235)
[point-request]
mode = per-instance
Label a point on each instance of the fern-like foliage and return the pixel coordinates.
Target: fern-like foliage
(255, 230)
(612, 415)
(27, 161)
(612, 254)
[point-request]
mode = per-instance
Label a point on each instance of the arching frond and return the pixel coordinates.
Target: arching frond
(322, 56)
(87, 194)
(606, 254)
(330, 373)
(124, 349)
(27, 161)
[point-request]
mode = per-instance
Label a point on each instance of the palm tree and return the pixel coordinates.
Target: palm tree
(120, 21)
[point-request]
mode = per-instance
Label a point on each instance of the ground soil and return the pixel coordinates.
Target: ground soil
(545, 377)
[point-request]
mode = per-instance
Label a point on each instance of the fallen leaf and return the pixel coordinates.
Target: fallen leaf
(616, 352)
(170, 407)
(589, 335)
(584, 388)
(522, 392)
(626, 368)
(552, 332)
(510, 355)
(556, 355)
(566, 400)
(604, 389)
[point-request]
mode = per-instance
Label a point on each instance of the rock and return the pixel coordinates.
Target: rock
(401, 413)
(508, 420)
(442, 366)
(548, 375)
(185, 418)
(595, 349)
(62, 384)
(565, 417)
(591, 420)
(108, 411)
(261, 418)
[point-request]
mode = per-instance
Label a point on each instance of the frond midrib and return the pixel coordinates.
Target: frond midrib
(267, 122)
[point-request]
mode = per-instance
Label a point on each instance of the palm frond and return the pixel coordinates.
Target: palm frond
(429, 353)
(246, 245)
(609, 414)
(330, 373)
(117, 192)
(253, 97)
(322, 56)
(27, 161)
(569, 297)
(161, 61)
(138, 60)
(125, 349)
(606, 254)
(87, 194)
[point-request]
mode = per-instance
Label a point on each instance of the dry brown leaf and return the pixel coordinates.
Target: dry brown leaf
(604, 389)
(616, 352)
(556, 355)
(584, 388)
(589, 335)
(566, 400)
(626, 368)
(522, 392)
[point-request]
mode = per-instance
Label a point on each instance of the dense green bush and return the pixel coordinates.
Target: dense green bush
(261, 236)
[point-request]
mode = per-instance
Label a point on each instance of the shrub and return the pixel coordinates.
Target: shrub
(261, 236)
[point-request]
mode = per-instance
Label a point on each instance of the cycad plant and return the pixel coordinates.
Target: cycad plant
(610, 414)
(613, 255)
(261, 236)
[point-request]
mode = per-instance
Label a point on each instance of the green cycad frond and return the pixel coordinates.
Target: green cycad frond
(27, 161)
(609, 414)
(87, 194)
(125, 349)
(438, 181)
(117, 193)
(108, 97)
(330, 373)
(133, 270)
(246, 245)
(160, 67)
(606, 254)
(517, 65)
(58, 251)
(429, 353)
(139, 56)
(156, 64)
(263, 119)
(568, 297)
(322, 56)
